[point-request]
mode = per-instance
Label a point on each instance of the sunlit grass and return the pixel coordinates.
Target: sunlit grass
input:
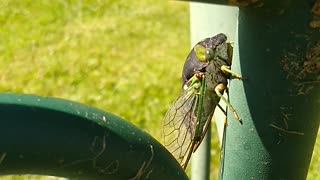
(120, 57)
(124, 57)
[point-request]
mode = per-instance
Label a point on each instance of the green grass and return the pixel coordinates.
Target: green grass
(314, 168)
(121, 56)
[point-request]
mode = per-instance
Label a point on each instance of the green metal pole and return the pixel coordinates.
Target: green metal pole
(279, 101)
(49, 136)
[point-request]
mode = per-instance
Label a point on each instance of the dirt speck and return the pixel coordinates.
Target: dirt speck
(303, 70)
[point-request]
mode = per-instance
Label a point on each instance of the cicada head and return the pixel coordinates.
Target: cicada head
(201, 55)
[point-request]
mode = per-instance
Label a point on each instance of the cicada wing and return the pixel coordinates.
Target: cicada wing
(203, 133)
(179, 127)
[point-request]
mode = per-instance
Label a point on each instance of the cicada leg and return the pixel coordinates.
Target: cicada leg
(220, 88)
(225, 114)
(226, 69)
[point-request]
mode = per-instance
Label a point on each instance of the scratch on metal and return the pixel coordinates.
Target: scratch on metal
(144, 167)
(2, 157)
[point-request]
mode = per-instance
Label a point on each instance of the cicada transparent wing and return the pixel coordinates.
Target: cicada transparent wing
(179, 127)
(181, 122)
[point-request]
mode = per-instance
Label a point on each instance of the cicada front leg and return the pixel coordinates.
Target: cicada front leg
(227, 70)
(219, 89)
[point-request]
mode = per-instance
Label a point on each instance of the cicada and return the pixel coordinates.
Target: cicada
(204, 79)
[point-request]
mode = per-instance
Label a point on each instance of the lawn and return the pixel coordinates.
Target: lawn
(124, 57)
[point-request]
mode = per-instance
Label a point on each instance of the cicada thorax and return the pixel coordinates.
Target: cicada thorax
(213, 71)
(215, 76)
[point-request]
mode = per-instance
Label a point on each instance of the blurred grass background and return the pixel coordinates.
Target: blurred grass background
(124, 57)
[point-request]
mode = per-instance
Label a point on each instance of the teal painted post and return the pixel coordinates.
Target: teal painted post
(279, 101)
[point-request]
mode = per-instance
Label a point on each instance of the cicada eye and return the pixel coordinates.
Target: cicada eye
(200, 53)
(209, 53)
